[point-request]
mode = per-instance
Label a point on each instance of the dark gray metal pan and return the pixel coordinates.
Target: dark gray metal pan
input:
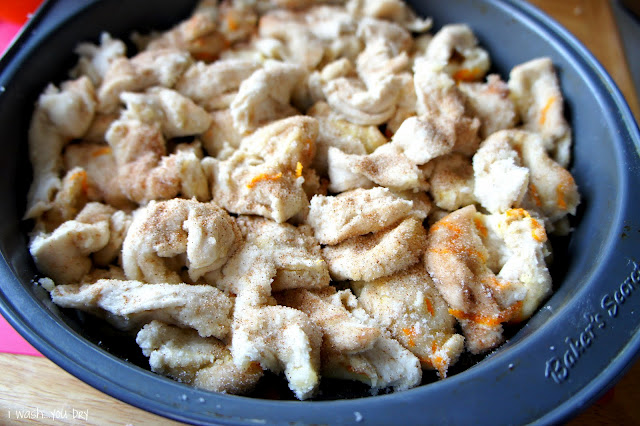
(579, 343)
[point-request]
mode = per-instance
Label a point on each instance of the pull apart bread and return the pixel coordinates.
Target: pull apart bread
(314, 189)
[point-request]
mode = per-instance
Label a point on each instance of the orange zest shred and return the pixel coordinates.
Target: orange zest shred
(453, 244)
(535, 195)
(102, 151)
(560, 196)
(481, 228)
(516, 214)
(262, 177)
(232, 23)
(298, 169)
(537, 231)
(467, 75)
(488, 320)
(452, 227)
(460, 250)
(82, 175)
(411, 333)
(429, 306)
(493, 281)
(438, 361)
(545, 110)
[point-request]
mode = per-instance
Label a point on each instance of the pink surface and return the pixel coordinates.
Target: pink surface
(10, 340)
(8, 31)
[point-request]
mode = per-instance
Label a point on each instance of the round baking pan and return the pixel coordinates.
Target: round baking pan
(575, 347)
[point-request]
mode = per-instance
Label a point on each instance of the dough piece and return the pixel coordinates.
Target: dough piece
(176, 114)
(187, 159)
(385, 365)
(391, 10)
(438, 95)
(264, 176)
(119, 222)
(204, 362)
(550, 189)
(519, 258)
(456, 259)
(161, 67)
(451, 180)
(381, 58)
(294, 251)
(145, 172)
(334, 131)
(356, 212)
(99, 164)
(406, 106)
(501, 179)
(424, 138)
(130, 304)
(96, 233)
(280, 339)
(94, 60)
(265, 96)
(371, 30)
(386, 166)
(64, 254)
(491, 103)
(69, 200)
(411, 308)
(489, 269)
(422, 204)
(221, 138)
(310, 36)
(360, 104)
(199, 36)
(209, 85)
(535, 90)
(342, 332)
(340, 171)
(455, 47)
(60, 116)
(299, 44)
(98, 128)
(200, 236)
(377, 255)
(248, 275)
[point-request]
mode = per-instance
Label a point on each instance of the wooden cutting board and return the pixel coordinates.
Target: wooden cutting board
(593, 23)
(33, 386)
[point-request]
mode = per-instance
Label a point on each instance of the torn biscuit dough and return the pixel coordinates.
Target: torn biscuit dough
(204, 362)
(131, 304)
(294, 251)
(198, 236)
(356, 212)
(411, 308)
(376, 255)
